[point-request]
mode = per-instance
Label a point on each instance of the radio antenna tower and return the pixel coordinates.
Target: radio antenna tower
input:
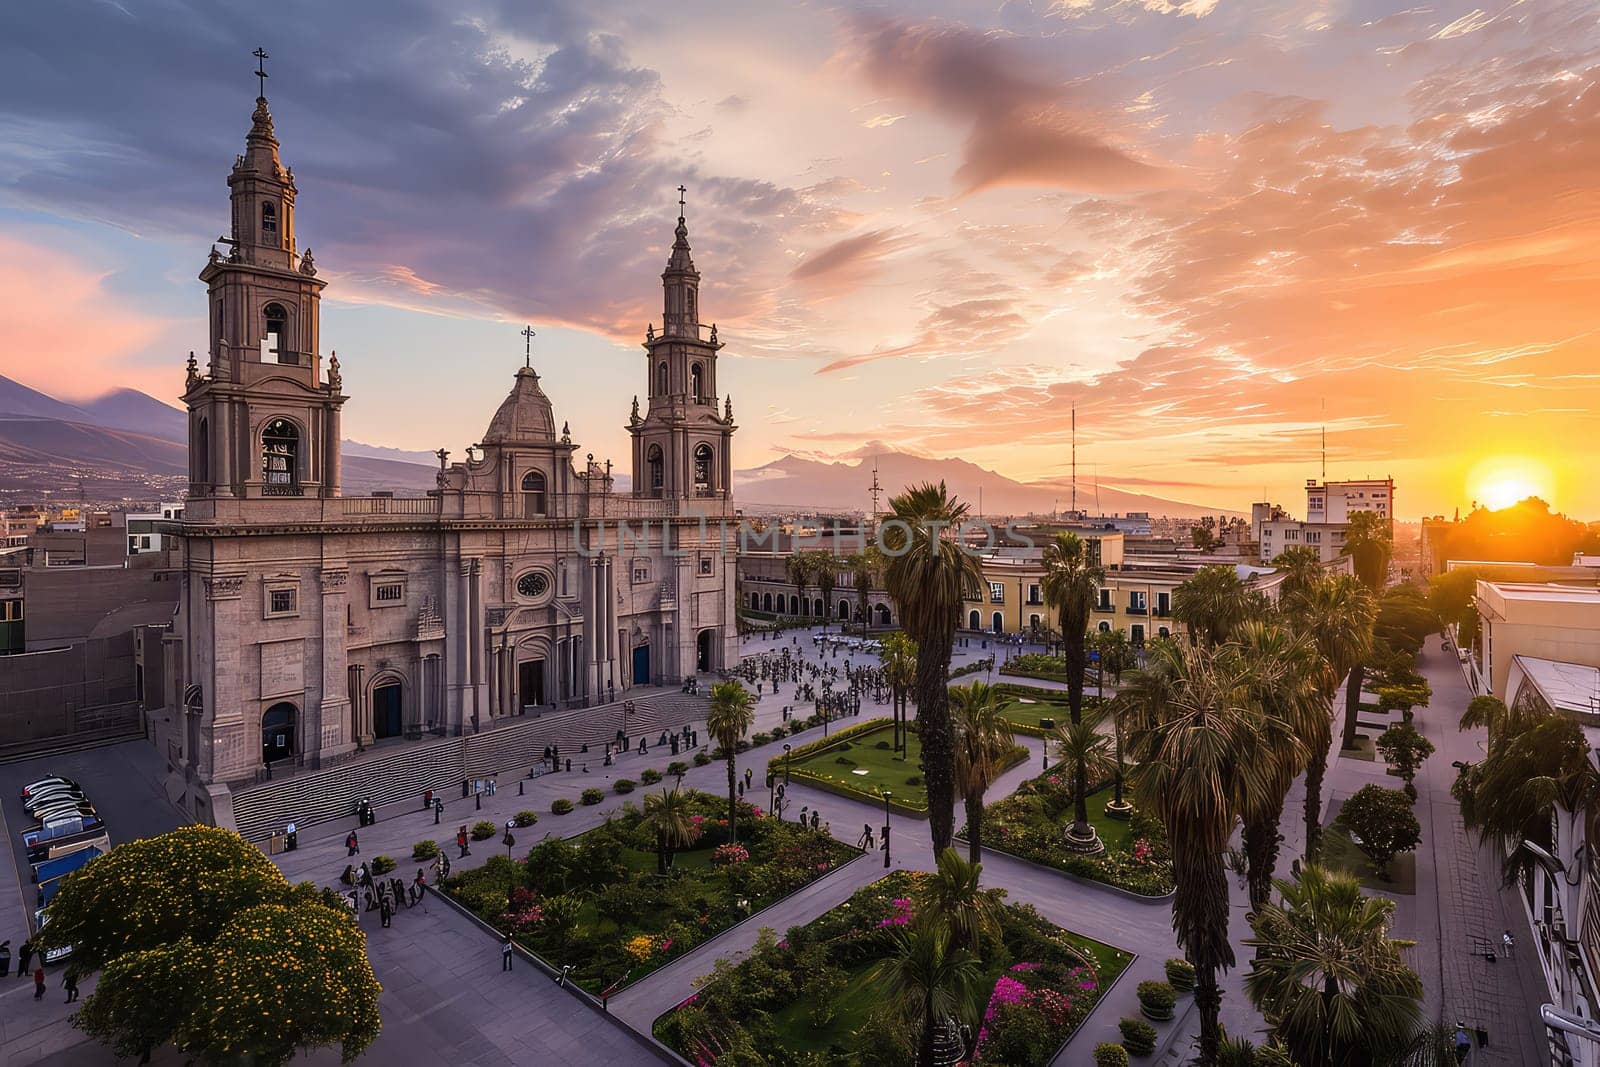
(1324, 440)
(875, 489)
(1074, 459)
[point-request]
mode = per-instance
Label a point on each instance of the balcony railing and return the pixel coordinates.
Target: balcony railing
(1135, 611)
(389, 505)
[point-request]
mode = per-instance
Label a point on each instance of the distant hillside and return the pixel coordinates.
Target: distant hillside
(129, 409)
(797, 482)
(18, 399)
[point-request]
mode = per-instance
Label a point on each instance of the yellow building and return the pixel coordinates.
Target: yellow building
(1536, 620)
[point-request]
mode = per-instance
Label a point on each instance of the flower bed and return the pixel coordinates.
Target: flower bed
(1036, 665)
(599, 903)
(812, 996)
(1031, 824)
(833, 763)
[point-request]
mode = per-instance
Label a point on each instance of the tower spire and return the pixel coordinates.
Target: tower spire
(261, 72)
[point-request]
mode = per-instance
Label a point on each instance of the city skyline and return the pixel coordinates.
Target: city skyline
(1213, 228)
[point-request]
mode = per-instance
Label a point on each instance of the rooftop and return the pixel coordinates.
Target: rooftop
(1545, 591)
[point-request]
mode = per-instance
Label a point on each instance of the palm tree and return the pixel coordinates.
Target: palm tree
(1369, 542)
(861, 565)
(1327, 977)
(825, 572)
(927, 977)
(1286, 668)
(1081, 746)
(798, 569)
(899, 659)
(728, 718)
(1197, 742)
(1301, 566)
(1116, 653)
(669, 816)
(952, 898)
(1336, 614)
(928, 574)
(982, 740)
(1071, 578)
(1537, 768)
(1212, 601)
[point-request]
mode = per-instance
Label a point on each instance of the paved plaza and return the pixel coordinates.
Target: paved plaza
(445, 999)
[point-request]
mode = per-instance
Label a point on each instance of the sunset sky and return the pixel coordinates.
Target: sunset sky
(1212, 225)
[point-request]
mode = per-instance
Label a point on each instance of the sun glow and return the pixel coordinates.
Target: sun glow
(1500, 481)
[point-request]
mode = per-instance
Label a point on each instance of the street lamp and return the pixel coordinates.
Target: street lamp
(785, 764)
(886, 795)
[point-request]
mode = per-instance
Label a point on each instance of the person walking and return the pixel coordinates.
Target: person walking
(419, 887)
(38, 983)
(69, 982)
(505, 954)
(25, 958)
(1507, 943)
(748, 774)
(352, 844)
(461, 841)
(385, 911)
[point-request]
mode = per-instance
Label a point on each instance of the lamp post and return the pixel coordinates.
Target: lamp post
(785, 764)
(886, 795)
(510, 842)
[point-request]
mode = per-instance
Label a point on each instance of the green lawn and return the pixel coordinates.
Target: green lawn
(866, 765)
(1027, 711)
(1342, 854)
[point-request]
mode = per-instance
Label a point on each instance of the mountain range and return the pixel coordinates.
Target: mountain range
(129, 445)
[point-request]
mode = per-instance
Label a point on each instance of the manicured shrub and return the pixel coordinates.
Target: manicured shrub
(1156, 1000)
(1108, 1055)
(649, 776)
(592, 795)
(624, 785)
(1138, 1036)
(383, 864)
(915, 779)
(560, 806)
(761, 739)
(883, 745)
(482, 831)
(424, 850)
(1180, 974)
(525, 818)
(701, 759)
(1383, 823)
(677, 766)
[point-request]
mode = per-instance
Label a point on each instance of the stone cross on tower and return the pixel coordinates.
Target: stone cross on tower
(527, 348)
(261, 70)
(681, 192)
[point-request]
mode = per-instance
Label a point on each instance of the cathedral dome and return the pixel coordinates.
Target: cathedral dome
(525, 417)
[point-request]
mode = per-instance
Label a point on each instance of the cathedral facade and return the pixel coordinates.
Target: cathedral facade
(314, 627)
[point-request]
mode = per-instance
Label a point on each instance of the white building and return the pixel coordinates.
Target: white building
(1328, 509)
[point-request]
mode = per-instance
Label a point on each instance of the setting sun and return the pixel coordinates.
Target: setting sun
(1501, 481)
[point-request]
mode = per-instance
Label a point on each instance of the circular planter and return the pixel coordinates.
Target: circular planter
(1155, 1016)
(1121, 812)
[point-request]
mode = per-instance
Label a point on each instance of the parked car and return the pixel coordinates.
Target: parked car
(46, 796)
(66, 809)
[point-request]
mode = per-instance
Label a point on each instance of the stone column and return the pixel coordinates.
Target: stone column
(475, 645)
(222, 755)
(333, 737)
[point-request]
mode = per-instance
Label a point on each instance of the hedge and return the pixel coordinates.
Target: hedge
(592, 795)
(424, 850)
(561, 806)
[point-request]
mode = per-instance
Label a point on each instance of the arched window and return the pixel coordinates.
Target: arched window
(844, 609)
(884, 617)
(661, 379)
(1033, 623)
(688, 305)
(702, 469)
(280, 458)
(533, 494)
(997, 622)
(657, 469)
(694, 383)
(1105, 627)
(202, 447)
(794, 605)
(269, 222)
(766, 602)
(273, 346)
(973, 618)
(1164, 632)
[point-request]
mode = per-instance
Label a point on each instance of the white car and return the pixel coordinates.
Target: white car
(54, 779)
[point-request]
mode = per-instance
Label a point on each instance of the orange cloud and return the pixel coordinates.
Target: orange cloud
(63, 333)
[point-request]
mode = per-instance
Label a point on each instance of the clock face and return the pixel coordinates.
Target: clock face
(533, 585)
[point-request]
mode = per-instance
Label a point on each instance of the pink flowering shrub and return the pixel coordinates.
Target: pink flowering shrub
(901, 914)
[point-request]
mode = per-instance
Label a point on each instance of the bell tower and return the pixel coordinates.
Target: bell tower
(681, 445)
(263, 422)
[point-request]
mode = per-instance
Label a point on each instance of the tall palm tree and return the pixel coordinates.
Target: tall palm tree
(952, 898)
(1336, 614)
(929, 573)
(669, 816)
(927, 977)
(1369, 542)
(1285, 668)
(1071, 579)
(861, 566)
(798, 569)
(899, 659)
(1116, 653)
(1200, 770)
(728, 718)
(1326, 976)
(1081, 746)
(825, 572)
(1212, 601)
(982, 740)
(1302, 566)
